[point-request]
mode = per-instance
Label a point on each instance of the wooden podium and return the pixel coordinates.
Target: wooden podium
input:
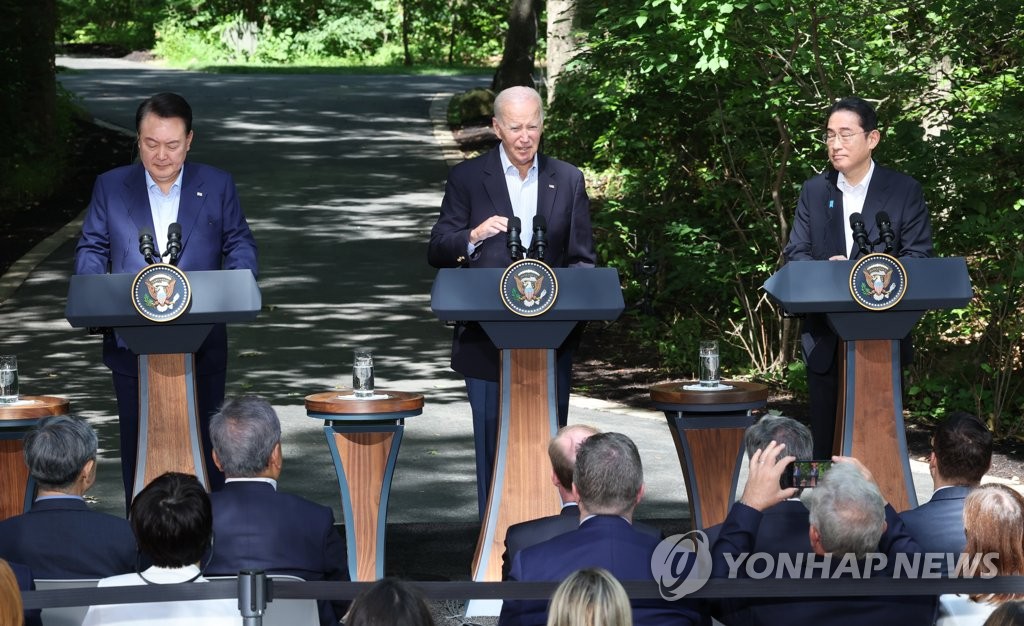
(869, 415)
(521, 487)
(169, 437)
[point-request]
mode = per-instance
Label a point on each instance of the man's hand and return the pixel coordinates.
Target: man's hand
(762, 489)
(490, 227)
(837, 257)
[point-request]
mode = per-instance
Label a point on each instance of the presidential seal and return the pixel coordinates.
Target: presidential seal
(161, 292)
(878, 281)
(528, 288)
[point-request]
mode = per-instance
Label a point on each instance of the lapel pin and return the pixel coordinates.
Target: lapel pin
(199, 193)
(551, 186)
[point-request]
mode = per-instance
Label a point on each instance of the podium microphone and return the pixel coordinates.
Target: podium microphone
(515, 244)
(540, 236)
(885, 234)
(860, 236)
(146, 246)
(173, 242)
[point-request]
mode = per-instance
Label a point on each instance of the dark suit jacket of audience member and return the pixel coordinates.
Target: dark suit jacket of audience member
(257, 527)
(63, 538)
(938, 525)
(606, 541)
(741, 533)
(532, 532)
(25, 583)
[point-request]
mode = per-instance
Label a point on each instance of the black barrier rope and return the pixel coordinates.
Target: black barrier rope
(467, 590)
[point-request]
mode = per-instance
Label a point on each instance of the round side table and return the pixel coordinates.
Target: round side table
(15, 420)
(363, 436)
(708, 427)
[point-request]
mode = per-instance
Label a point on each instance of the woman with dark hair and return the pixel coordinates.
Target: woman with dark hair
(173, 525)
(389, 602)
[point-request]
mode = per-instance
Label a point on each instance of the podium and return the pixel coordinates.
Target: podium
(869, 415)
(521, 487)
(169, 435)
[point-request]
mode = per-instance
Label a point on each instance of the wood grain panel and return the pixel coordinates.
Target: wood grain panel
(395, 402)
(714, 452)
(364, 456)
(168, 438)
(15, 476)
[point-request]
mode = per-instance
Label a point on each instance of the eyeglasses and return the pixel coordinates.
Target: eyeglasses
(844, 138)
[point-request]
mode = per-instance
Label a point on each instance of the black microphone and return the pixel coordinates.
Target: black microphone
(540, 236)
(885, 234)
(173, 242)
(860, 236)
(515, 244)
(146, 246)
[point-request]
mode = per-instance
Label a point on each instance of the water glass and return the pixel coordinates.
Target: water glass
(8, 379)
(709, 363)
(362, 374)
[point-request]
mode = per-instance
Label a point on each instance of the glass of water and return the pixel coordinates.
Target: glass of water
(362, 374)
(8, 379)
(709, 376)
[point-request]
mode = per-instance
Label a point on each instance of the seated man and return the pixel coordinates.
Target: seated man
(608, 484)
(961, 454)
(848, 520)
(172, 521)
(258, 527)
(60, 537)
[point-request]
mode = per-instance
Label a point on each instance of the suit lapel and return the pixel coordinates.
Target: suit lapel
(874, 200)
(494, 183)
(546, 187)
(136, 201)
(835, 229)
(191, 203)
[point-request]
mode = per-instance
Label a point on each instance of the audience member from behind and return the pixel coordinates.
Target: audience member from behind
(961, 454)
(173, 522)
(847, 519)
(257, 526)
(994, 521)
(590, 597)
(608, 484)
(60, 537)
(389, 602)
(1007, 614)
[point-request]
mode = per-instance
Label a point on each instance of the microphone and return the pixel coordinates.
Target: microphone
(146, 246)
(515, 244)
(885, 233)
(540, 236)
(173, 242)
(860, 236)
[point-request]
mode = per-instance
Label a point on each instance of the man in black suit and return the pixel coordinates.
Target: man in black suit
(60, 537)
(822, 231)
(255, 525)
(961, 454)
(480, 197)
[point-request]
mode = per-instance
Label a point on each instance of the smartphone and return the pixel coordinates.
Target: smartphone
(804, 473)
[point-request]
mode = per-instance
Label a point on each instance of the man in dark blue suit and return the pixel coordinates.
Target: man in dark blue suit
(822, 231)
(608, 484)
(512, 180)
(961, 454)
(60, 537)
(255, 525)
(150, 196)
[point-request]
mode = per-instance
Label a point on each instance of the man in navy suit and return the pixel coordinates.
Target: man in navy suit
(512, 180)
(608, 484)
(255, 525)
(961, 454)
(60, 537)
(822, 231)
(150, 196)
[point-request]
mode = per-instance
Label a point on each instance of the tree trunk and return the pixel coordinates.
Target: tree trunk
(561, 45)
(30, 92)
(405, 33)
(516, 66)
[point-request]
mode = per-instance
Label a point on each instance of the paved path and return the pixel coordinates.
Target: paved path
(341, 178)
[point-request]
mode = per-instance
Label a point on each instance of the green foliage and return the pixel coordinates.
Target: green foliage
(124, 23)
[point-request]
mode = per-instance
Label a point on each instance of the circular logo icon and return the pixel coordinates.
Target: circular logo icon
(528, 288)
(878, 281)
(161, 292)
(682, 564)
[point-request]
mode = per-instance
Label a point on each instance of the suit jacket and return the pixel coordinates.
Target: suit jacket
(938, 525)
(819, 232)
(214, 235)
(532, 532)
(63, 538)
(741, 533)
(606, 541)
(33, 617)
(257, 527)
(475, 191)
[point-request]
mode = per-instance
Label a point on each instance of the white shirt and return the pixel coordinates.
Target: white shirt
(222, 612)
(853, 200)
(164, 207)
(255, 479)
(522, 193)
